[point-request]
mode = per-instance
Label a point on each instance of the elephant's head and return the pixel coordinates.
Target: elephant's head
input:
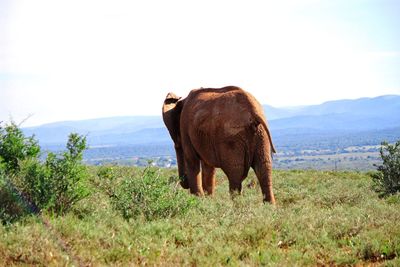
(171, 111)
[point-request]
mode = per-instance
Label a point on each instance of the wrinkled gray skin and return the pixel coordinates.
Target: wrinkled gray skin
(219, 128)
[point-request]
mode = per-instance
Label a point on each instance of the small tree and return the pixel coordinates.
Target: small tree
(387, 179)
(15, 147)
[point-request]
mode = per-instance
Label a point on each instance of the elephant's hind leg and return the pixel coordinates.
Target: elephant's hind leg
(208, 177)
(262, 166)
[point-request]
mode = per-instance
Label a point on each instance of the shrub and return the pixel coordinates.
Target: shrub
(151, 196)
(387, 179)
(57, 183)
(28, 185)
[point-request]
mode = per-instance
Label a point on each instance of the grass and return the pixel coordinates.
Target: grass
(321, 218)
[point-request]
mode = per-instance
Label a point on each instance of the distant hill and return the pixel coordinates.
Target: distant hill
(102, 131)
(377, 117)
(339, 122)
(382, 105)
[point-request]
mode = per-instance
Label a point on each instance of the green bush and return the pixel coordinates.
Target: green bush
(151, 196)
(28, 185)
(14, 148)
(387, 179)
(57, 183)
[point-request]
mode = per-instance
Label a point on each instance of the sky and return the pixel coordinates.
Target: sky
(81, 59)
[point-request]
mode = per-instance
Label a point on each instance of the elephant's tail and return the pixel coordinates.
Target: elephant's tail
(262, 121)
(258, 113)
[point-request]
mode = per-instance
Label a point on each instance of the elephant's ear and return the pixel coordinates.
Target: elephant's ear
(171, 95)
(172, 109)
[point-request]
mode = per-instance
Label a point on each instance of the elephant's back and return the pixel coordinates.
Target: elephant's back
(221, 112)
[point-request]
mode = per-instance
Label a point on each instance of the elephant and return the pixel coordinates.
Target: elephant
(219, 128)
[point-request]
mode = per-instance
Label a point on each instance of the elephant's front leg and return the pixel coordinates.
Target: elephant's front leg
(208, 177)
(194, 175)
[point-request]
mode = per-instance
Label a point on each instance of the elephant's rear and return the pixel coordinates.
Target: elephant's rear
(226, 128)
(224, 120)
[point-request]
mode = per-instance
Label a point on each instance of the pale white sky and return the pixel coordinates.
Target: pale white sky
(78, 59)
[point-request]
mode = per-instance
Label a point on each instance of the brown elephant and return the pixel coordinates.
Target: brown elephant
(219, 128)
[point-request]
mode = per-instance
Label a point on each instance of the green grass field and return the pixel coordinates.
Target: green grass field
(321, 219)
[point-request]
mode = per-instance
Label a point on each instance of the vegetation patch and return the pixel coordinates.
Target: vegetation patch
(29, 185)
(141, 216)
(151, 195)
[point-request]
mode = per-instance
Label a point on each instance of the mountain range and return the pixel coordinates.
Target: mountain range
(364, 120)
